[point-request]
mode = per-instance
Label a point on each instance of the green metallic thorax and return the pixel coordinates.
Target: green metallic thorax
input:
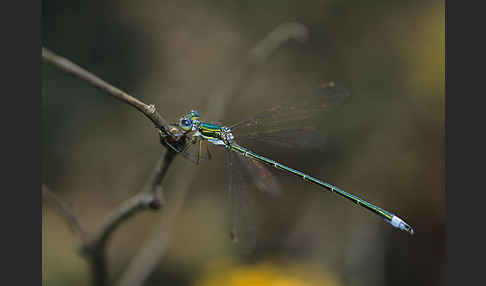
(210, 131)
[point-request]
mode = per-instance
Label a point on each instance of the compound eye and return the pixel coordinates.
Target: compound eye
(186, 124)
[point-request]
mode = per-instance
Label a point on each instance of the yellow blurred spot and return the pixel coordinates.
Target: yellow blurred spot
(264, 274)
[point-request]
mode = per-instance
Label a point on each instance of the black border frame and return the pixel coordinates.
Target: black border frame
(21, 113)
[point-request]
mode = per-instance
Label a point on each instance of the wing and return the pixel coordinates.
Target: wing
(326, 98)
(260, 175)
(196, 150)
(299, 138)
(243, 228)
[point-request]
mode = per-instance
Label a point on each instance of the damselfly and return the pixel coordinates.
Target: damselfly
(281, 121)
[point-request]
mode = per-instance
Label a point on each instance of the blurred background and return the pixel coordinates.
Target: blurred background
(386, 144)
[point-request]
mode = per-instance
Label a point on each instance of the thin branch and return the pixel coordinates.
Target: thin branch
(65, 212)
(150, 198)
(73, 69)
(275, 39)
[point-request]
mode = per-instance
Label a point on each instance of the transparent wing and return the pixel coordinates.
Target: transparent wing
(196, 150)
(300, 138)
(261, 176)
(243, 228)
(291, 125)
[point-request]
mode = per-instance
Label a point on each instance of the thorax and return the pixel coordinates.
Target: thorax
(216, 134)
(209, 130)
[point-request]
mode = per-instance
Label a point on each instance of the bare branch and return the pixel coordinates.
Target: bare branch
(280, 35)
(149, 198)
(73, 69)
(65, 212)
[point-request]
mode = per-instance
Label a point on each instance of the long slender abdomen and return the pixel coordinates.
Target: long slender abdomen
(389, 217)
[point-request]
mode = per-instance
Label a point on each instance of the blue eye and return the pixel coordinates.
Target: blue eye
(186, 124)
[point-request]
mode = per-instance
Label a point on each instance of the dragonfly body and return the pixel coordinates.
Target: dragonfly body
(222, 136)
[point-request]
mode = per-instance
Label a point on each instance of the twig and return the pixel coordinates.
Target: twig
(73, 69)
(150, 198)
(275, 39)
(64, 212)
